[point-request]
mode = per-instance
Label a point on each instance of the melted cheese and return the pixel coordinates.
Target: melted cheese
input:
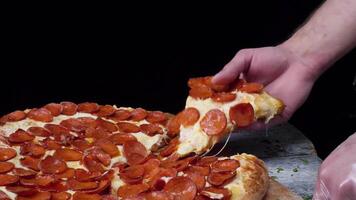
(148, 141)
(193, 138)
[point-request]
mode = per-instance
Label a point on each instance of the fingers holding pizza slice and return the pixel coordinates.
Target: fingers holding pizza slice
(212, 111)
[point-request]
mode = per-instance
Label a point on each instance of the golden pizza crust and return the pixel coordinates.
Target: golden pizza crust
(251, 181)
(278, 191)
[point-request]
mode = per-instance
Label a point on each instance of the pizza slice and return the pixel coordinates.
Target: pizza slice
(212, 111)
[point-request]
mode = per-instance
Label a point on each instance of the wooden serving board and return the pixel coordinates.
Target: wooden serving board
(290, 157)
(277, 191)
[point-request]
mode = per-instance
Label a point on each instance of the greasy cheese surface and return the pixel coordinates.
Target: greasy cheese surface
(193, 139)
(10, 127)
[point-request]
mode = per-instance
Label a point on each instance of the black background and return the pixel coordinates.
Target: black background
(144, 57)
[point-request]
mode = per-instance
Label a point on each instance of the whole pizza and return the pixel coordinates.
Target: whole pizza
(87, 151)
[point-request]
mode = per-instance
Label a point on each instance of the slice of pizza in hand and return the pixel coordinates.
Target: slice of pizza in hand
(212, 111)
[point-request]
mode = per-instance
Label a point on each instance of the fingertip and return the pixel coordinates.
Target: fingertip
(217, 78)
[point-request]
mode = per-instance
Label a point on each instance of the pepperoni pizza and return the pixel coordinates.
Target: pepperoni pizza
(90, 151)
(212, 111)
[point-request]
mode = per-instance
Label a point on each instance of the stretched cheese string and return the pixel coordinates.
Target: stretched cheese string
(222, 148)
(225, 144)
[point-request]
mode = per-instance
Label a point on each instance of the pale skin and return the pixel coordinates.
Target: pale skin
(289, 71)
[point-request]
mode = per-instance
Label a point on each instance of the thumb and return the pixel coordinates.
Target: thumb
(232, 70)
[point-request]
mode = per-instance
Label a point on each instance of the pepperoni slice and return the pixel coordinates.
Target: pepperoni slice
(138, 114)
(52, 165)
(181, 188)
(92, 165)
(121, 138)
(68, 154)
(40, 181)
(51, 144)
(220, 178)
(105, 125)
(180, 165)
(127, 191)
(40, 114)
(60, 196)
(199, 81)
(81, 144)
(97, 133)
(135, 152)
(101, 156)
(57, 129)
(198, 179)
(36, 196)
(242, 114)
(83, 175)
(6, 167)
(237, 84)
(211, 192)
(20, 136)
(252, 88)
(76, 185)
(151, 129)
(173, 127)
(204, 171)
(31, 149)
(69, 108)
(228, 165)
(206, 81)
(223, 97)
(157, 195)
(108, 147)
(74, 125)
(105, 111)
(20, 190)
(7, 154)
(151, 168)
(120, 115)
(156, 117)
(132, 174)
(67, 174)
(214, 122)
(170, 148)
(56, 186)
(30, 162)
(55, 108)
(38, 131)
(84, 196)
(188, 116)
(103, 184)
(88, 122)
(16, 116)
(23, 172)
(88, 107)
(206, 161)
(6, 179)
(201, 92)
(127, 127)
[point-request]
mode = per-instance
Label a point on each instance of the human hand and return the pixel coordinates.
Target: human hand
(285, 75)
(337, 174)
